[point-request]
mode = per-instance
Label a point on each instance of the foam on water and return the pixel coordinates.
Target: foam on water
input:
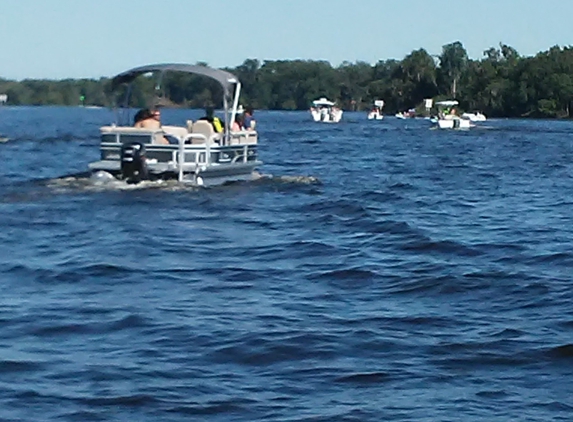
(101, 181)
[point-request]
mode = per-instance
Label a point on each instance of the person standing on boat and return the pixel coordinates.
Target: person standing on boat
(214, 120)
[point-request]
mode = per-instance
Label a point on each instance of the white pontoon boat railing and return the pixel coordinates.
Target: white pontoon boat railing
(181, 158)
(199, 146)
(233, 113)
(181, 161)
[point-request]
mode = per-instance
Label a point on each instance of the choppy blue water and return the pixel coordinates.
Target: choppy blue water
(379, 271)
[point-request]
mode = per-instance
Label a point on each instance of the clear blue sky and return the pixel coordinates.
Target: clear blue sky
(58, 39)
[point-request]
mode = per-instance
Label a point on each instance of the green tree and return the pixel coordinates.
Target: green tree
(453, 62)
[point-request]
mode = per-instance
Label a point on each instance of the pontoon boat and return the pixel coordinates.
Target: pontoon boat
(195, 153)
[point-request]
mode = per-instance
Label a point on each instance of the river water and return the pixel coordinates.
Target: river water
(377, 271)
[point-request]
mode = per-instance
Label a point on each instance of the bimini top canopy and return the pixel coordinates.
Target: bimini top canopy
(226, 79)
(323, 102)
(447, 103)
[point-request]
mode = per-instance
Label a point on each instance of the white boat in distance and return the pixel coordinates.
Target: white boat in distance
(409, 114)
(194, 154)
(376, 112)
(324, 110)
(475, 117)
(447, 118)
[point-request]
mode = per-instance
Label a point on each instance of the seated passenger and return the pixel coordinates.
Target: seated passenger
(149, 119)
(141, 115)
(451, 115)
(214, 120)
(248, 119)
(237, 125)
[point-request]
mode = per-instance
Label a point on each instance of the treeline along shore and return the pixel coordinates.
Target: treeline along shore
(501, 84)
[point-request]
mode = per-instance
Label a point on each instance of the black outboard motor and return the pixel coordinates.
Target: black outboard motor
(133, 164)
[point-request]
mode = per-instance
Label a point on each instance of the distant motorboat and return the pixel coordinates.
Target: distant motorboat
(454, 123)
(324, 110)
(475, 117)
(376, 112)
(447, 118)
(411, 113)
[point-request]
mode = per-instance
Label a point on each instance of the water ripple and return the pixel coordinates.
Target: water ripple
(373, 271)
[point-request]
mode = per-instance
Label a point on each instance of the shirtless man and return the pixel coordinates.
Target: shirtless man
(149, 119)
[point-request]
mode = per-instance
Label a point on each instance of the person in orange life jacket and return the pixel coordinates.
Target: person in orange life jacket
(214, 120)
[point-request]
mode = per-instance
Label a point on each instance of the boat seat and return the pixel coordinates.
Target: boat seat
(175, 131)
(126, 129)
(156, 134)
(203, 127)
(244, 137)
